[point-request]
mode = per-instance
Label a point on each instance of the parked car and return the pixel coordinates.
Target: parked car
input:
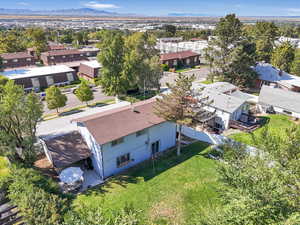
(43, 96)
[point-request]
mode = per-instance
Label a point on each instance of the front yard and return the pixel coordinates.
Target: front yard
(177, 189)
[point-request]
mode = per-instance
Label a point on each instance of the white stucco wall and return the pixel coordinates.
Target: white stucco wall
(138, 147)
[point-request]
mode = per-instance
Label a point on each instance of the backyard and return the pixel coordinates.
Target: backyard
(181, 189)
(276, 123)
(178, 189)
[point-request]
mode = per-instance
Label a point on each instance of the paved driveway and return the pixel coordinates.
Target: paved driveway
(169, 77)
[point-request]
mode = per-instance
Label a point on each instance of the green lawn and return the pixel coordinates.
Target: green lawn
(277, 124)
(182, 70)
(180, 190)
(3, 166)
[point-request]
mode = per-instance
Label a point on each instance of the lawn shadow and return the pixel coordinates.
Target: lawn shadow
(264, 120)
(150, 168)
(70, 112)
(98, 105)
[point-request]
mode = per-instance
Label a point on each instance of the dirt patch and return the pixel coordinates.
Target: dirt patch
(167, 210)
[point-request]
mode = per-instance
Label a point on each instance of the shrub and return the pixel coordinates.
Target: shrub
(86, 215)
(33, 194)
(165, 67)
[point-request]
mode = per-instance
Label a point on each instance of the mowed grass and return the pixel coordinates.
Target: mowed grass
(176, 190)
(277, 124)
(4, 170)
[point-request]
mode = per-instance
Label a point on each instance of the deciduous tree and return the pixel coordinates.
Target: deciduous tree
(113, 80)
(54, 98)
(84, 93)
(283, 56)
(261, 186)
(19, 114)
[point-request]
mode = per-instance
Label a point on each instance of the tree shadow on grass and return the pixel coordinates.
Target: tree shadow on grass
(150, 168)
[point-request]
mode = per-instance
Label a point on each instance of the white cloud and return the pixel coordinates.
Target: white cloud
(23, 3)
(293, 11)
(97, 5)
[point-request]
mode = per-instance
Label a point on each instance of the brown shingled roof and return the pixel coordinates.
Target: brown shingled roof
(67, 149)
(178, 55)
(62, 52)
(116, 123)
(16, 55)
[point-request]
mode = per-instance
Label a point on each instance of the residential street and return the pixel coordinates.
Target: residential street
(169, 77)
(74, 102)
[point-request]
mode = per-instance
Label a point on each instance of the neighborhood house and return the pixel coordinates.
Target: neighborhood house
(180, 59)
(117, 139)
(62, 56)
(89, 69)
(41, 77)
(230, 105)
(280, 101)
(18, 59)
(269, 75)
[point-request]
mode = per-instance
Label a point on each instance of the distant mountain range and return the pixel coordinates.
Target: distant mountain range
(187, 14)
(61, 12)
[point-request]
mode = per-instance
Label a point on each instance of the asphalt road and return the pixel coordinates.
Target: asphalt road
(200, 74)
(169, 77)
(74, 102)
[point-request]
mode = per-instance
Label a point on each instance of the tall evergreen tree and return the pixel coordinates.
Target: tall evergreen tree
(181, 106)
(230, 54)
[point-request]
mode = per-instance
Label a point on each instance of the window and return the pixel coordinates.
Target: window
(71, 56)
(70, 77)
(81, 54)
(117, 142)
(287, 112)
(15, 60)
(175, 62)
(63, 56)
(141, 132)
(123, 160)
(28, 59)
(4, 61)
(188, 61)
(218, 126)
(155, 147)
(52, 57)
(50, 80)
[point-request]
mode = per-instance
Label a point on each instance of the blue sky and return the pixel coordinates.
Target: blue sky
(163, 7)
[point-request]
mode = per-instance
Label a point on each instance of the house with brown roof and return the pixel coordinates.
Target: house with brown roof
(62, 56)
(17, 60)
(89, 69)
(123, 137)
(180, 59)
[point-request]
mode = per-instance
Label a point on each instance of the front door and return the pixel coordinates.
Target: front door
(155, 147)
